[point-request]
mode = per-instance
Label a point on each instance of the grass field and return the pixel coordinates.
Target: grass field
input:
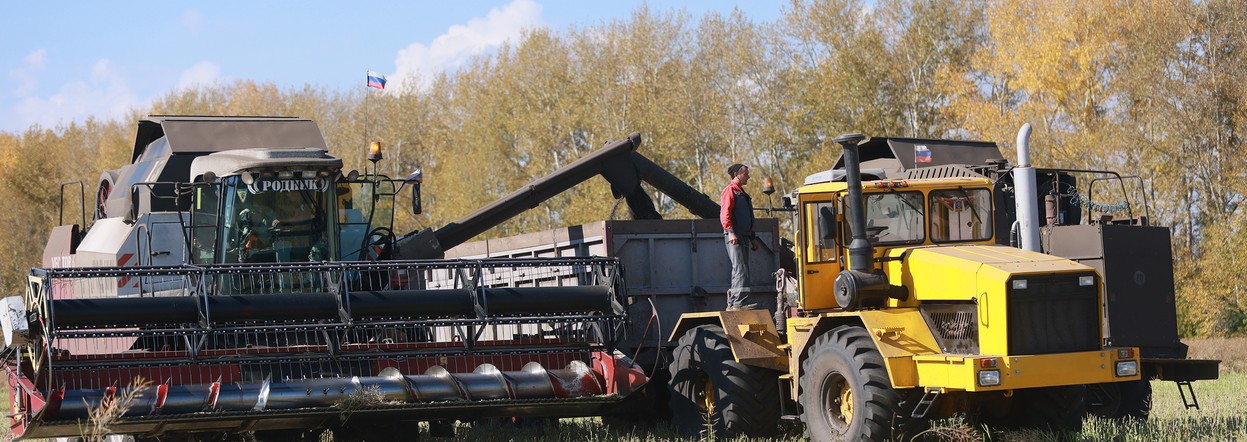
(1222, 416)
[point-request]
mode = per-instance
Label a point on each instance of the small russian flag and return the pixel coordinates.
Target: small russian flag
(922, 154)
(376, 80)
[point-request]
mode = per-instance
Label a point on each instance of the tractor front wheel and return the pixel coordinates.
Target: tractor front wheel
(845, 391)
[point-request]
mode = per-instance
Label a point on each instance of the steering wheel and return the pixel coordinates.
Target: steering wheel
(377, 241)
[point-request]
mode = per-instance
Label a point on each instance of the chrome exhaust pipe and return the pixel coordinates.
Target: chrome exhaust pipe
(1025, 198)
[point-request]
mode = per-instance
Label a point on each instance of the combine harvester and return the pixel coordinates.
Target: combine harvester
(236, 280)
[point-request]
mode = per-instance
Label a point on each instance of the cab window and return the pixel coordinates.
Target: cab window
(274, 220)
(204, 222)
(820, 223)
(894, 218)
(363, 207)
(961, 215)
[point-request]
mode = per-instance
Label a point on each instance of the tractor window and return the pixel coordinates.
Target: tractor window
(204, 224)
(894, 218)
(961, 215)
(820, 225)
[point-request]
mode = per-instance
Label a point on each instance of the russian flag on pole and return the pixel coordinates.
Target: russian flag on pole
(922, 154)
(376, 80)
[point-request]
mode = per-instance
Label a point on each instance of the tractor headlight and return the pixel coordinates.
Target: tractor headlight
(1019, 284)
(1086, 280)
(1127, 368)
(989, 378)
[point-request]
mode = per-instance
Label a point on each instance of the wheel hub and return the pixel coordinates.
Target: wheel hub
(706, 395)
(837, 401)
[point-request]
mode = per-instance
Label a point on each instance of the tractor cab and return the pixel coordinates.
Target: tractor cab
(898, 215)
(303, 211)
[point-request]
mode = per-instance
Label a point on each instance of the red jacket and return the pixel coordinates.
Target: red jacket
(727, 202)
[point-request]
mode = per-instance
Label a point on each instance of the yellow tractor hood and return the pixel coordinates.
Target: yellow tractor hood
(956, 272)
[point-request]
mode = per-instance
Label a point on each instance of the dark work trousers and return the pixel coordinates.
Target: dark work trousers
(739, 255)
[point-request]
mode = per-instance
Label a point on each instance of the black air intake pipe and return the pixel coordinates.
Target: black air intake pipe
(861, 285)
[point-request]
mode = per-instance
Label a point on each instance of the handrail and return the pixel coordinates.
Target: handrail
(82, 198)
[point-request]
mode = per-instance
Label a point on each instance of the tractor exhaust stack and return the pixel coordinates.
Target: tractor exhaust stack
(1025, 197)
(861, 285)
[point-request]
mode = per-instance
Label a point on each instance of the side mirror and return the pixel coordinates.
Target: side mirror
(415, 179)
(415, 199)
(827, 222)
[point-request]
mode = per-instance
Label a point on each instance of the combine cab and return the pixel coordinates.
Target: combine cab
(235, 280)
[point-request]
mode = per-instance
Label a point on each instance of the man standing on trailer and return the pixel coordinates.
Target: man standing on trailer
(736, 215)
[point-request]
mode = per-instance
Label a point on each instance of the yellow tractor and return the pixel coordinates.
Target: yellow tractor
(907, 309)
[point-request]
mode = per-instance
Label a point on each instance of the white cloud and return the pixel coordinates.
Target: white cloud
(418, 63)
(27, 75)
(105, 95)
(204, 73)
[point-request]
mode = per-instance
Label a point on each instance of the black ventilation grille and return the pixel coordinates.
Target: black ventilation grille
(1053, 314)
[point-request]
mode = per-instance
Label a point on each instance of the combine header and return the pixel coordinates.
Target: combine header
(251, 286)
(457, 338)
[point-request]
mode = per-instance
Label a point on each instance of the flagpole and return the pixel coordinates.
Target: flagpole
(367, 93)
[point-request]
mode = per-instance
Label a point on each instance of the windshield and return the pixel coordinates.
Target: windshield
(961, 215)
(277, 220)
(894, 217)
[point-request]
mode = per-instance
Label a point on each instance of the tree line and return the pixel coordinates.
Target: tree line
(1152, 88)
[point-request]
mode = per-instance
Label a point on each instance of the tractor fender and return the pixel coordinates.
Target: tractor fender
(899, 334)
(751, 334)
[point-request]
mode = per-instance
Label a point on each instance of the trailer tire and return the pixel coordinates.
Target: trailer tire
(846, 393)
(1120, 400)
(708, 383)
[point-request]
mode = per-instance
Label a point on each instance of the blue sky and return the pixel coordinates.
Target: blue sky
(66, 61)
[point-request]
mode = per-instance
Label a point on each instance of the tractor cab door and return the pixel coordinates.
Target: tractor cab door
(819, 258)
(365, 218)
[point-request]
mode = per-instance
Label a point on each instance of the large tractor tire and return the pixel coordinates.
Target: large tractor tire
(846, 393)
(1120, 400)
(710, 390)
